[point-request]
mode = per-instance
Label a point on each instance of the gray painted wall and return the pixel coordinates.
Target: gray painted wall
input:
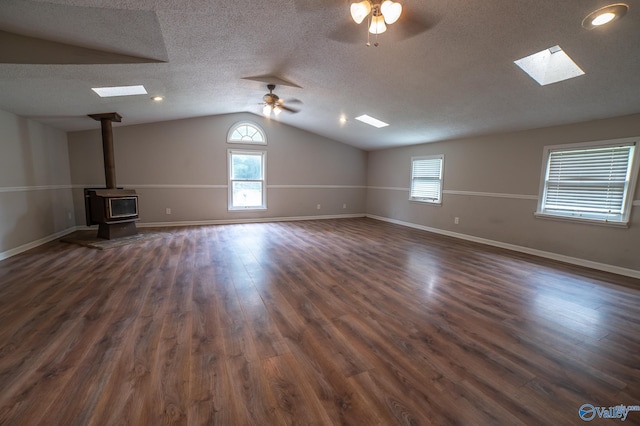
(491, 184)
(35, 184)
(182, 165)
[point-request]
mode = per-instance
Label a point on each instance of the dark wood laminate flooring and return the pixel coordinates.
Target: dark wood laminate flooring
(353, 321)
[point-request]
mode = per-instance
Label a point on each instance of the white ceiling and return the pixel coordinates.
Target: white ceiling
(444, 70)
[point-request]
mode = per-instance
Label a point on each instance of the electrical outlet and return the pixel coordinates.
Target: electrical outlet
(344, 206)
(318, 207)
(456, 220)
(168, 210)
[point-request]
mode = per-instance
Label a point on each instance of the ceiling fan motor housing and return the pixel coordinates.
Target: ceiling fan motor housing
(270, 98)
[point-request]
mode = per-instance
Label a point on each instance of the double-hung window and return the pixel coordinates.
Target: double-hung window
(247, 184)
(426, 179)
(589, 182)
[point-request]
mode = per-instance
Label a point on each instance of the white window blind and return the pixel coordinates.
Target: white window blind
(426, 179)
(591, 182)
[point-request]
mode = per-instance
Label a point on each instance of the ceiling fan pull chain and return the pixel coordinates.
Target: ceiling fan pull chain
(367, 28)
(368, 34)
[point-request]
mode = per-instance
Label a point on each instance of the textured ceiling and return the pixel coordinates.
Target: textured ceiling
(444, 70)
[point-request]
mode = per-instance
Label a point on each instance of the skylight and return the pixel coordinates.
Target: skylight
(549, 66)
(372, 121)
(107, 92)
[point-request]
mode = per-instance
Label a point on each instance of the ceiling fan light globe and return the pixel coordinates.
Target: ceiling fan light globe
(391, 11)
(266, 110)
(360, 10)
(377, 25)
(277, 110)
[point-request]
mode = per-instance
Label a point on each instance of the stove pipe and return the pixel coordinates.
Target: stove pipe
(107, 146)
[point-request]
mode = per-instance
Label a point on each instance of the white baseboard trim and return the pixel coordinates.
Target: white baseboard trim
(540, 253)
(253, 220)
(36, 243)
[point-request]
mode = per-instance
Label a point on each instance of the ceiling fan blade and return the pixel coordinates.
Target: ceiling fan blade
(289, 109)
(272, 79)
(293, 101)
(412, 24)
(349, 32)
(313, 5)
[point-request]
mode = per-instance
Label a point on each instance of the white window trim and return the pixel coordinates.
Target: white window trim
(230, 206)
(629, 200)
(437, 202)
(241, 142)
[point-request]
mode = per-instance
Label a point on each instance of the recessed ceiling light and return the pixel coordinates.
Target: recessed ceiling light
(603, 19)
(157, 98)
(342, 119)
(107, 92)
(372, 121)
(604, 15)
(549, 66)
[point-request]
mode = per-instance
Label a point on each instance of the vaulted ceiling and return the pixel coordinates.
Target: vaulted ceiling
(444, 70)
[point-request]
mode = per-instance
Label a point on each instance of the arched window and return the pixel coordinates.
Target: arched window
(247, 133)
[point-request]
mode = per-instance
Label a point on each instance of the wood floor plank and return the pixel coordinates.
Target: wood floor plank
(79, 362)
(171, 371)
(324, 372)
(120, 382)
(244, 346)
(103, 354)
(352, 321)
(141, 405)
(207, 378)
(294, 397)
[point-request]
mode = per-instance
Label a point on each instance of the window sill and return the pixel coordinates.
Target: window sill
(246, 209)
(247, 143)
(586, 220)
(430, 203)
